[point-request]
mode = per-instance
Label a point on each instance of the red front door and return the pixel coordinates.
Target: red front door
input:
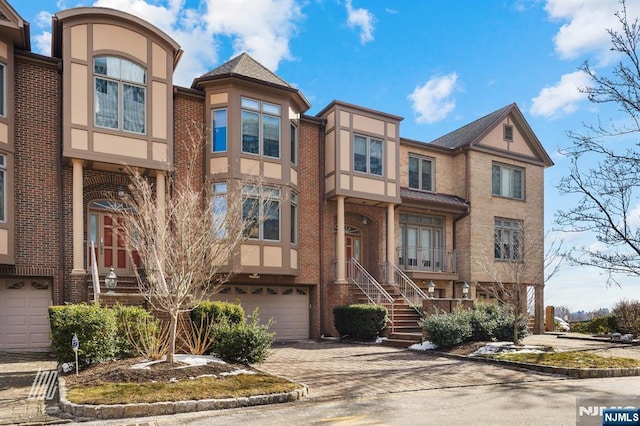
(106, 230)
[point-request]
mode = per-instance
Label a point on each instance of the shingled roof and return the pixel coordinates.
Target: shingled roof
(451, 201)
(473, 131)
(244, 65)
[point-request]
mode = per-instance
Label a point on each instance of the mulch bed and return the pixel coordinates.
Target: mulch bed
(120, 371)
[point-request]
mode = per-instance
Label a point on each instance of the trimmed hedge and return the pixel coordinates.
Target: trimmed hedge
(478, 324)
(244, 342)
(96, 328)
(359, 321)
(217, 312)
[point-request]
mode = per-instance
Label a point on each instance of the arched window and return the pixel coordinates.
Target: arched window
(120, 92)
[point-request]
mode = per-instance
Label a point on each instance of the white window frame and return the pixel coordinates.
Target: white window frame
(508, 240)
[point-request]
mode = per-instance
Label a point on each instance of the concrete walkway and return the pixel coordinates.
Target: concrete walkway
(27, 383)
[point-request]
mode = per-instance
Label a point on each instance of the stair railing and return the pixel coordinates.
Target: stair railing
(405, 286)
(375, 293)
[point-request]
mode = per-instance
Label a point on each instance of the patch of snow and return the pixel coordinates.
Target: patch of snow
(380, 339)
(237, 372)
(498, 347)
(190, 360)
(424, 346)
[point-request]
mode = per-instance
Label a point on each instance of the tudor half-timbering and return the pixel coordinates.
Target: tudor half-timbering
(356, 213)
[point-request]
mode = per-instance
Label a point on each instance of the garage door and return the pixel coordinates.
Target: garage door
(288, 306)
(24, 321)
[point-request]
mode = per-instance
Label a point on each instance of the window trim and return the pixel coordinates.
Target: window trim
(4, 170)
(294, 217)
(261, 108)
(511, 169)
(3, 101)
(294, 144)
(421, 158)
(368, 141)
(220, 195)
(261, 194)
(121, 82)
(516, 227)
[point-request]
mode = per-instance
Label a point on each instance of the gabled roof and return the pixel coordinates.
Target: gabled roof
(244, 67)
(12, 24)
(472, 134)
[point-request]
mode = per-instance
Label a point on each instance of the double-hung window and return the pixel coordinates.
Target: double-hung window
(507, 181)
(508, 239)
(261, 212)
(294, 144)
(219, 209)
(294, 218)
(219, 137)
(367, 155)
(260, 128)
(120, 92)
(420, 173)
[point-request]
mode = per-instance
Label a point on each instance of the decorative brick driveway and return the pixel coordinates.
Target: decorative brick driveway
(335, 370)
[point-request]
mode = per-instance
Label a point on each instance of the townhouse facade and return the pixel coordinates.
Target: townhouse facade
(357, 213)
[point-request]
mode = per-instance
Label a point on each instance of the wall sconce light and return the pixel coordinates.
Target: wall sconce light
(430, 289)
(254, 276)
(465, 290)
(364, 220)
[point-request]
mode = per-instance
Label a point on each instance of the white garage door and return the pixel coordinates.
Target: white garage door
(24, 321)
(288, 306)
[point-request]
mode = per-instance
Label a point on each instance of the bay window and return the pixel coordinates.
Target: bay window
(260, 128)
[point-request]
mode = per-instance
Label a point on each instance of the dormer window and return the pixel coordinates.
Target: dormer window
(120, 92)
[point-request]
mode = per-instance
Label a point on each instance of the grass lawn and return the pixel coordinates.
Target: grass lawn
(201, 388)
(573, 359)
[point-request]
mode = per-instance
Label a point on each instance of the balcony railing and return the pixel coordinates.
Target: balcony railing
(432, 260)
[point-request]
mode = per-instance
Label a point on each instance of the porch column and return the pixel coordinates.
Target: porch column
(391, 241)
(78, 220)
(340, 249)
(538, 310)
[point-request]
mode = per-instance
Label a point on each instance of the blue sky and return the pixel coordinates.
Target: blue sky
(439, 64)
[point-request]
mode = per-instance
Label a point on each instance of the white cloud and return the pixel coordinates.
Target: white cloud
(363, 19)
(42, 43)
(433, 101)
(563, 98)
(261, 28)
(585, 27)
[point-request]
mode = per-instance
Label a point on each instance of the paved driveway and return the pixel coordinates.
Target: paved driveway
(335, 370)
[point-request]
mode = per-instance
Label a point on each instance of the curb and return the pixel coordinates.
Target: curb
(574, 373)
(119, 411)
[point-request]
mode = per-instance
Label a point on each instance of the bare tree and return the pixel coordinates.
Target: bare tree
(608, 191)
(520, 262)
(185, 244)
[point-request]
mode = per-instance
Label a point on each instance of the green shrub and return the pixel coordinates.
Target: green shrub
(600, 325)
(483, 318)
(129, 320)
(360, 321)
(244, 342)
(504, 327)
(449, 329)
(627, 314)
(217, 312)
(95, 327)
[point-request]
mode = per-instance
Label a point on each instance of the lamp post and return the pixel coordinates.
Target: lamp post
(111, 281)
(430, 289)
(465, 290)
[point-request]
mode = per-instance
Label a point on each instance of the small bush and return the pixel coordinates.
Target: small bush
(216, 312)
(483, 318)
(243, 343)
(149, 337)
(360, 321)
(127, 318)
(504, 327)
(600, 325)
(447, 330)
(95, 327)
(627, 314)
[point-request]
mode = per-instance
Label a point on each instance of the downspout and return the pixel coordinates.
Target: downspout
(321, 222)
(61, 244)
